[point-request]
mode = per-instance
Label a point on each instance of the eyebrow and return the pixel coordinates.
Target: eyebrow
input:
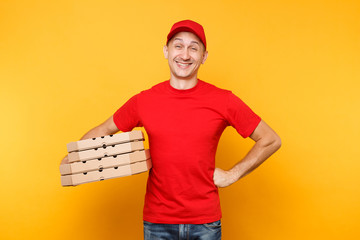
(183, 41)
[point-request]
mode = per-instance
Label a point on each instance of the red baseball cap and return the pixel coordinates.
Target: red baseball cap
(187, 26)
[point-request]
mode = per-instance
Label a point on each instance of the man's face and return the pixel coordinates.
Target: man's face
(185, 53)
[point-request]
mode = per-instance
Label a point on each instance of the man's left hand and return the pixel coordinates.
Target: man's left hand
(223, 178)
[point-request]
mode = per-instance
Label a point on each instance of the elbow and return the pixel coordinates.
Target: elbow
(277, 142)
(271, 141)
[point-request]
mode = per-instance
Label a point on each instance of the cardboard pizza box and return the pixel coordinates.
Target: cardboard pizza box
(103, 174)
(106, 162)
(105, 151)
(102, 141)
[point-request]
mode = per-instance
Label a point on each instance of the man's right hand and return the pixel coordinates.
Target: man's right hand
(65, 160)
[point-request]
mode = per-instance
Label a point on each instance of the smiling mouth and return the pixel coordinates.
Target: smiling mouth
(183, 65)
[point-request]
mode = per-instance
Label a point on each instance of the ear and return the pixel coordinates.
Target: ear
(166, 52)
(204, 57)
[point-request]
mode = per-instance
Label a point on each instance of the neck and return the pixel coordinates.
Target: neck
(183, 84)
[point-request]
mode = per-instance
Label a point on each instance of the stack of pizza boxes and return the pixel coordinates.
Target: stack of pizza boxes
(105, 157)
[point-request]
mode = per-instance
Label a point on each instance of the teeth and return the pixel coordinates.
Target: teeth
(183, 64)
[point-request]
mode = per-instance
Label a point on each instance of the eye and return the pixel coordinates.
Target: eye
(177, 46)
(193, 47)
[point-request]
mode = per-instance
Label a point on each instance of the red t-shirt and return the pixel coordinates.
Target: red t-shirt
(184, 128)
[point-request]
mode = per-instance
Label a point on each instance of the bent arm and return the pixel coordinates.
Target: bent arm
(267, 142)
(106, 128)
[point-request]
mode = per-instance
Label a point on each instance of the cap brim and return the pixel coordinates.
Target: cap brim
(182, 29)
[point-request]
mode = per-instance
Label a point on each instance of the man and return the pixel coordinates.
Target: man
(184, 118)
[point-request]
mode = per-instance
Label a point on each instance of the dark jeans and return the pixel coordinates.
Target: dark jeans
(208, 231)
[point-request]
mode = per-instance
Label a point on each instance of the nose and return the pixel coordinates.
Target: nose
(185, 54)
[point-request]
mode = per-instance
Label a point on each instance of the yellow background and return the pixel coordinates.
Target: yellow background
(66, 66)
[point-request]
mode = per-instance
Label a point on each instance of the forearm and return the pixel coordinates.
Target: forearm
(267, 142)
(95, 132)
(261, 151)
(106, 128)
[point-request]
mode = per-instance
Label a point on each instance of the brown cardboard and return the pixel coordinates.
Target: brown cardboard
(103, 174)
(105, 141)
(106, 162)
(139, 167)
(105, 151)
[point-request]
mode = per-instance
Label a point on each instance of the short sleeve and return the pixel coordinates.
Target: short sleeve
(240, 116)
(127, 117)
